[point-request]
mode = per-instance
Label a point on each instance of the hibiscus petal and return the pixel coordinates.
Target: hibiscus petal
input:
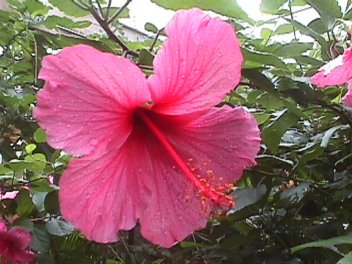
(2, 226)
(216, 146)
(102, 194)
(175, 209)
(87, 99)
(336, 72)
(8, 195)
(198, 64)
(225, 140)
(21, 236)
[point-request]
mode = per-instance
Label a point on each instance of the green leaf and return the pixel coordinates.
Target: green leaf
(347, 259)
(43, 185)
(124, 14)
(253, 96)
(328, 10)
(30, 148)
(36, 8)
(243, 227)
(36, 162)
(151, 27)
(295, 195)
(44, 258)
(40, 135)
(55, 21)
(38, 200)
(348, 15)
(4, 16)
(5, 173)
(259, 80)
(310, 32)
(327, 243)
(310, 153)
(111, 261)
(69, 8)
(274, 131)
(261, 117)
(298, 3)
(228, 8)
(303, 59)
(24, 222)
(51, 202)
(292, 49)
(247, 196)
(157, 261)
(318, 26)
(271, 101)
(24, 202)
(284, 29)
(256, 59)
(271, 6)
(59, 227)
(145, 57)
(40, 239)
(189, 244)
(266, 33)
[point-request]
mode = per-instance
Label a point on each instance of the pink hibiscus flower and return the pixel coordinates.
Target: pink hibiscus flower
(14, 244)
(155, 151)
(8, 195)
(336, 72)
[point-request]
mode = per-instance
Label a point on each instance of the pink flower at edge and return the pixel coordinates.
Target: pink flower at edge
(8, 195)
(155, 151)
(336, 72)
(14, 244)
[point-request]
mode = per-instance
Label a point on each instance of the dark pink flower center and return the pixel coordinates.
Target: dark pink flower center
(151, 120)
(8, 246)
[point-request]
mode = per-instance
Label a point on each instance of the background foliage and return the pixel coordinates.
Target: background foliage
(293, 207)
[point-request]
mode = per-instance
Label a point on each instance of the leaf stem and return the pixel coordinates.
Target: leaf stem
(282, 16)
(118, 12)
(155, 39)
(291, 16)
(294, 29)
(35, 60)
(115, 253)
(108, 31)
(106, 16)
(130, 256)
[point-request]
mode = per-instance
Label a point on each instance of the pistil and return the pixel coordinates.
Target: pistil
(217, 195)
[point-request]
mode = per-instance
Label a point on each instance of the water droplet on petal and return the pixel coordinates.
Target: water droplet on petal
(93, 142)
